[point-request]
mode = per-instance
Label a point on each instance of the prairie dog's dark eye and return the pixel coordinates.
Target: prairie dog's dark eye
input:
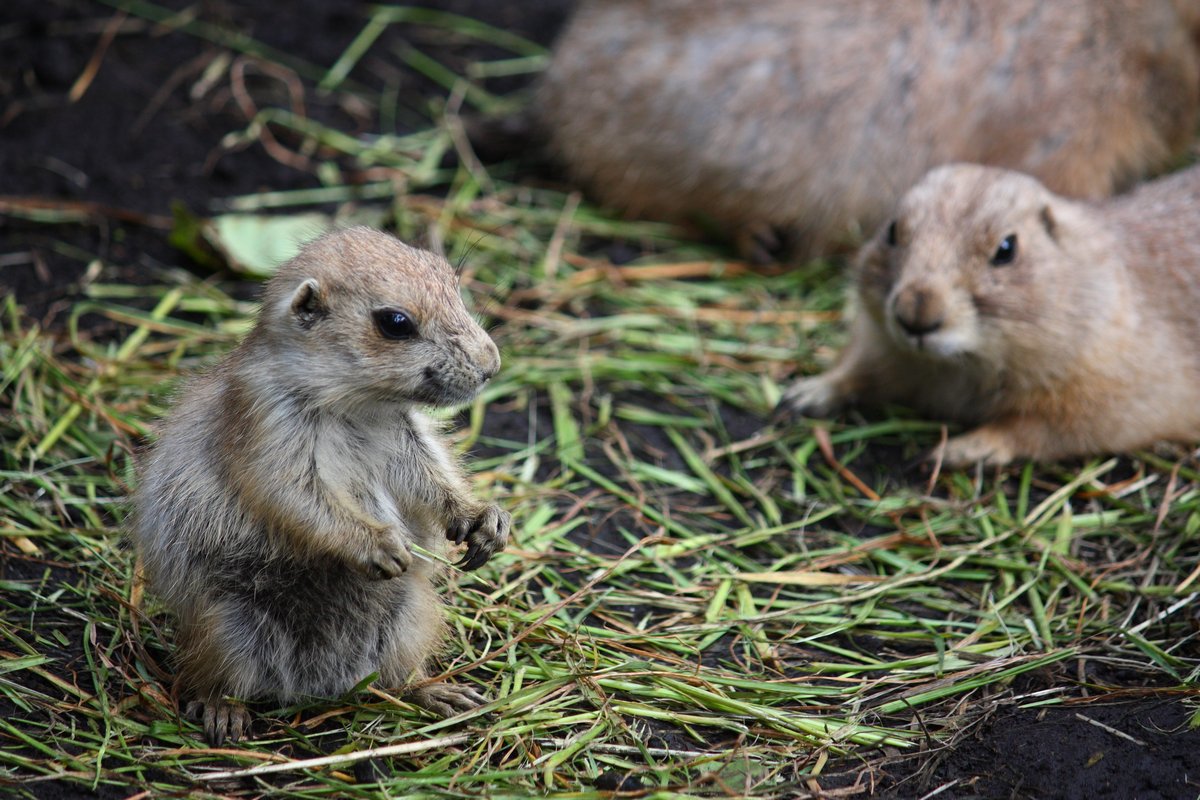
(891, 234)
(1006, 252)
(394, 323)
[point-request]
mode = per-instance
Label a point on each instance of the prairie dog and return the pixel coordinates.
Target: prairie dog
(277, 512)
(1059, 327)
(813, 117)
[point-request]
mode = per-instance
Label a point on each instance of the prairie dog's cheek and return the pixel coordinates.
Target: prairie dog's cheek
(874, 285)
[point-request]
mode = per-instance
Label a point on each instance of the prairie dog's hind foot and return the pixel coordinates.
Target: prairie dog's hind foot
(221, 719)
(447, 699)
(761, 243)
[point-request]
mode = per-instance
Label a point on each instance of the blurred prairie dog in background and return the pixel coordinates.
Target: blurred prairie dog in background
(1059, 327)
(812, 117)
(277, 513)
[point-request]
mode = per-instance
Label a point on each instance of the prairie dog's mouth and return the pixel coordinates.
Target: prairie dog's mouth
(436, 395)
(944, 343)
(435, 392)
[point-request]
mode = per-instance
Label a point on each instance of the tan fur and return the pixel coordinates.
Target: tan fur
(814, 116)
(1087, 342)
(277, 513)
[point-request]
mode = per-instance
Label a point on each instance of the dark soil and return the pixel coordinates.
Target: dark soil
(137, 142)
(1079, 752)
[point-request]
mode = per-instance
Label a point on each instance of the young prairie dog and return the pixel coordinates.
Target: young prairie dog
(812, 117)
(277, 513)
(1058, 327)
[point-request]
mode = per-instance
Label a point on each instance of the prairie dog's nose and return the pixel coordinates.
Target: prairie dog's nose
(488, 359)
(918, 310)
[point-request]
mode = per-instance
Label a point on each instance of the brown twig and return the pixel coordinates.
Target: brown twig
(80, 87)
(826, 447)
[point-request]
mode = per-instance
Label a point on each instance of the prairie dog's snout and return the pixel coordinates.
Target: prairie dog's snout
(932, 316)
(459, 357)
(469, 361)
(919, 310)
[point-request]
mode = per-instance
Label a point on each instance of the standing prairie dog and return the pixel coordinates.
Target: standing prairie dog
(277, 513)
(813, 117)
(1059, 327)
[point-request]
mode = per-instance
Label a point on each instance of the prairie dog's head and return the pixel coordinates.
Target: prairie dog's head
(359, 317)
(982, 263)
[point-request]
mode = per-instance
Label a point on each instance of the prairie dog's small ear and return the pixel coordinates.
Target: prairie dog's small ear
(308, 304)
(1049, 222)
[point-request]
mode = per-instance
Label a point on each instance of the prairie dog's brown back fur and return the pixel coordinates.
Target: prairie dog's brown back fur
(1059, 327)
(816, 116)
(277, 513)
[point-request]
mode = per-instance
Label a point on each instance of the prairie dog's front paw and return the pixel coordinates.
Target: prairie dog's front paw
(987, 444)
(485, 534)
(818, 396)
(387, 556)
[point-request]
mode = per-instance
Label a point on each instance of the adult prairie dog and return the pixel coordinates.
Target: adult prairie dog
(813, 117)
(1059, 327)
(277, 513)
